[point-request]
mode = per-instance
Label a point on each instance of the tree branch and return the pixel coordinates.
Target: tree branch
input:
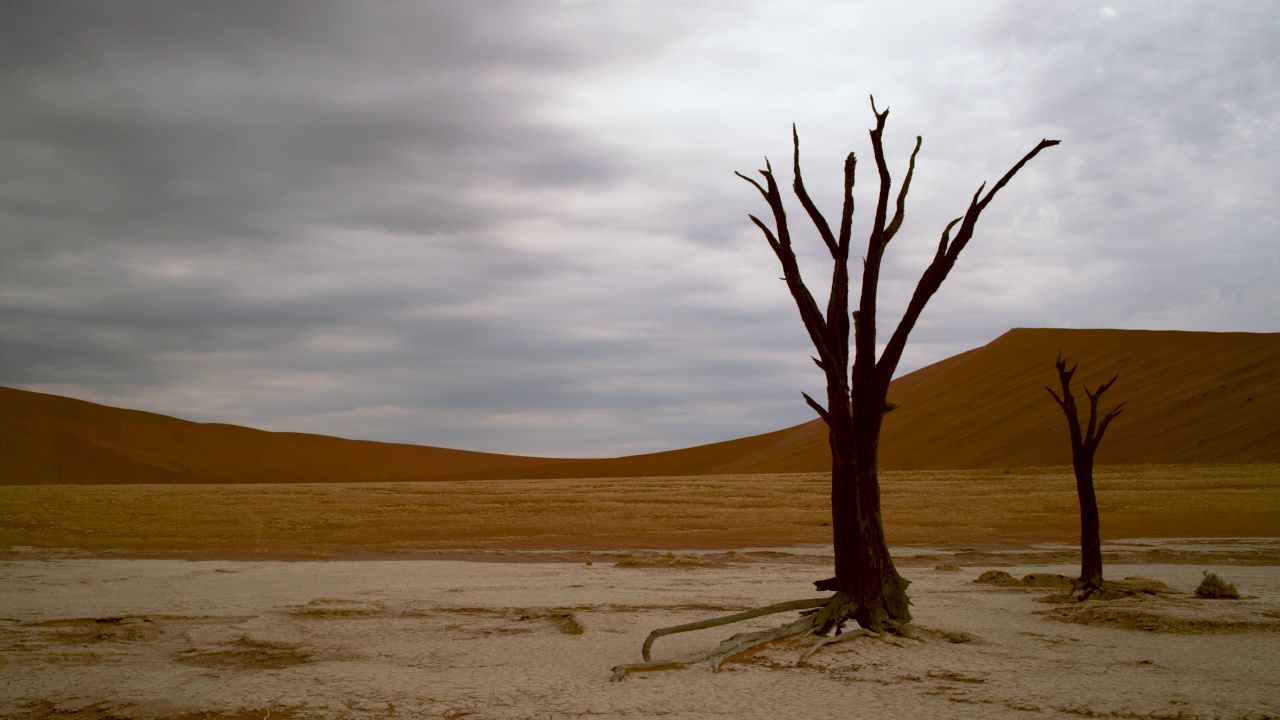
(864, 321)
(846, 212)
(781, 244)
(1093, 414)
(933, 276)
(1068, 403)
(1103, 387)
(798, 186)
(1106, 420)
(886, 183)
(768, 234)
(1093, 407)
(822, 412)
(1014, 170)
(1061, 403)
(902, 197)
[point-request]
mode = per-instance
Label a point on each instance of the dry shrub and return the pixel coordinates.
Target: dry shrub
(664, 560)
(337, 607)
(1213, 587)
(566, 623)
(247, 653)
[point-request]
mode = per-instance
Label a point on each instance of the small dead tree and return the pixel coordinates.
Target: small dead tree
(867, 587)
(1084, 443)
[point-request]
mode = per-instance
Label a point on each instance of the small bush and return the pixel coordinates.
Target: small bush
(666, 560)
(1213, 587)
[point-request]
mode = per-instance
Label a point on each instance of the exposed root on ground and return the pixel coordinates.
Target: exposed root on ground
(833, 639)
(1085, 589)
(1112, 590)
(818, 617)
(728, 620)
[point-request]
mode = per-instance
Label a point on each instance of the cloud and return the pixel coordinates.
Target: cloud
(514, 227)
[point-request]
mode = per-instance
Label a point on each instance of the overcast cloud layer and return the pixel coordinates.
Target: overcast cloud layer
(514, 226)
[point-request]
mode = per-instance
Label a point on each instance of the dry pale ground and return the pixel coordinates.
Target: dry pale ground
(94, 638)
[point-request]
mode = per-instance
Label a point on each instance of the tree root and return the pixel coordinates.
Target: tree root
(820, 614)
(833, 639)
(1111, 590)
(1086, 588)
(741, 643)
(729, 619)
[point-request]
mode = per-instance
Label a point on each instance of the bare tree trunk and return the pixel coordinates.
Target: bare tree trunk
(865, 574)
(1090, 532)
(869, 588)
(1084, 443)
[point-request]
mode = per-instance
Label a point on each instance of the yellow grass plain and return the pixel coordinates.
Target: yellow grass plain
(979, 508)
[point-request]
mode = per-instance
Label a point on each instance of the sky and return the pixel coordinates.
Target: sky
(514, 226)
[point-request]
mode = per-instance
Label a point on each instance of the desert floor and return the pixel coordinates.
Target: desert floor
(94, 638)
(515, 600)
(978, 508)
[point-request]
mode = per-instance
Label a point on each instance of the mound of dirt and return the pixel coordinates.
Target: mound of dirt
(1034, 580)
(1164, 614)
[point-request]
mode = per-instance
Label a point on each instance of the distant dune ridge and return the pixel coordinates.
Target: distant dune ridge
(1190, 397)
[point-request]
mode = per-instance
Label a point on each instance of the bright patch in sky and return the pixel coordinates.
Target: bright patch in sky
(514, 226)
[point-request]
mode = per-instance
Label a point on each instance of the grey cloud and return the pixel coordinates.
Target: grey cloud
(514, 227)
(172, 124)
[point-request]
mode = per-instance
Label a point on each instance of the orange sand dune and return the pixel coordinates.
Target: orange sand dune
(46, 439)
(1189, 398)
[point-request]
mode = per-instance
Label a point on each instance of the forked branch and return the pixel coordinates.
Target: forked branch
(1084, 440)
(797, 185)
(945, 259)
(781, 245)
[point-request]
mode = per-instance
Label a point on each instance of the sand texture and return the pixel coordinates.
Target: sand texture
(980, 508)
(1189, 398)
(448, 639)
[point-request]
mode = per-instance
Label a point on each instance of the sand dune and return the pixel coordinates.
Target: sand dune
(1189, 398)
(46, 439)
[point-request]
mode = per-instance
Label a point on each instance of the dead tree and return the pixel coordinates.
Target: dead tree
(867, 588)
(1083, 446)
